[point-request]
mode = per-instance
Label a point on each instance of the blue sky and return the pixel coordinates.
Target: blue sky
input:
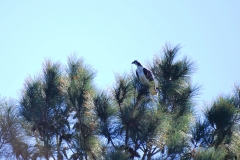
(111, 34)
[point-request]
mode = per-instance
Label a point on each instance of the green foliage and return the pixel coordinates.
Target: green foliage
(80, 77)
(116, 155)
(201, 134)
(233, 149)
(174, 81)
(223, 108)
(223, 127)
(210, 154)
(105, 112)
(80, 93)
(71, 119)
(218, 132)
(177, 136)
(13, 139)
(42, 105)
(176, 95)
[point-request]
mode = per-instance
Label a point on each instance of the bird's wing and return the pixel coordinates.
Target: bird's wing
(137, 74)
(148, 74)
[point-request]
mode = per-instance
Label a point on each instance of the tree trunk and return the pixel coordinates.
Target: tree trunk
(126, 139)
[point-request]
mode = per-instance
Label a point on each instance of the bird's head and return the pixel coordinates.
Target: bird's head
(136, 63)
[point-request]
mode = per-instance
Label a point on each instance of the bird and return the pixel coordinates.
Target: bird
(145, 76)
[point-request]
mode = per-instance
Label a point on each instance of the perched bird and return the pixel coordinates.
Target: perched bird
(145, 77)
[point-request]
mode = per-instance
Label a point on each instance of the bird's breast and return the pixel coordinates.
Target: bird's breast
(142, 77)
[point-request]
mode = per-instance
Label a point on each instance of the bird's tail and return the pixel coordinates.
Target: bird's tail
(152, 88)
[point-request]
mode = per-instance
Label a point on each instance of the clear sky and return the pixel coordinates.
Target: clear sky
(111, 34)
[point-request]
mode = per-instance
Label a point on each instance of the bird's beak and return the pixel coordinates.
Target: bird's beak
(132, 62)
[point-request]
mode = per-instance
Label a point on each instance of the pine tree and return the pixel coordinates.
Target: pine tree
(135, 122)
(217, 136)
(175, 101)
(13, 138)
(71, 119)
(80, 91)
(42, 106)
